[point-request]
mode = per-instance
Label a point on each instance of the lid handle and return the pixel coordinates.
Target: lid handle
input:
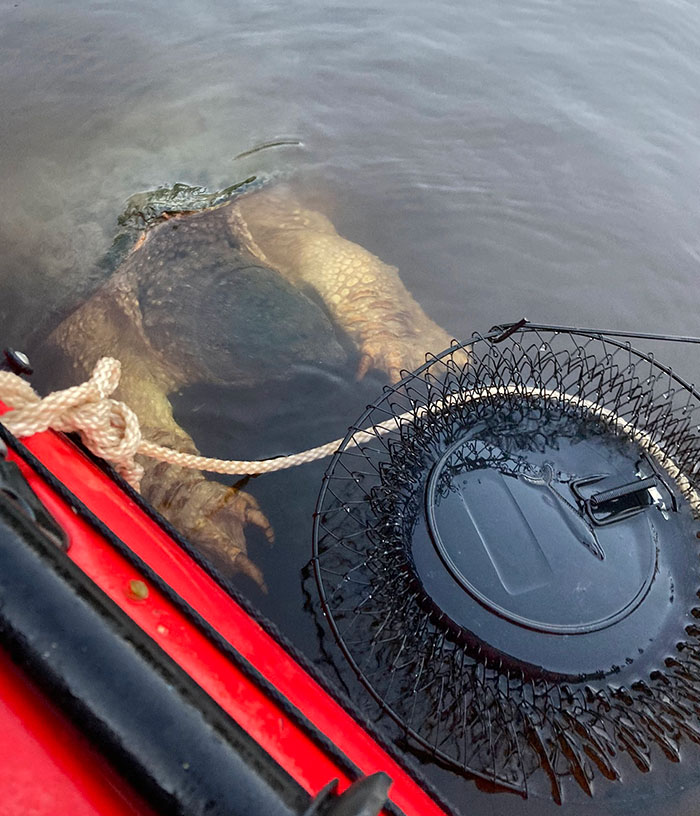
(621, 501)
(631, 489)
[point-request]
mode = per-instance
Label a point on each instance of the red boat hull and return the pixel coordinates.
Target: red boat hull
(269, 694)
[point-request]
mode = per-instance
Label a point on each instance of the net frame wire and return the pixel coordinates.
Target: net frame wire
(649, 400)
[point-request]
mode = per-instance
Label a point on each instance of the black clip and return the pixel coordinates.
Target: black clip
(507, 329)
(14, 488)
(366, 796)
(620, 502)
(16, 361)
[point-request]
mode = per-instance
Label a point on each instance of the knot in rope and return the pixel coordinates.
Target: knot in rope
(108, 428)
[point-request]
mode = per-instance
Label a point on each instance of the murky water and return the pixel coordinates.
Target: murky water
(520, 158)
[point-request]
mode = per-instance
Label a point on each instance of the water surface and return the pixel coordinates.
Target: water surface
(519, 158)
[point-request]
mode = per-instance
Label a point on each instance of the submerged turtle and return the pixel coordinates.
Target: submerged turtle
(234, 288)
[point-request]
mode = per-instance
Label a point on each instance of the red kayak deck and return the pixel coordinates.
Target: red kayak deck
(46, 766)
(240, 696)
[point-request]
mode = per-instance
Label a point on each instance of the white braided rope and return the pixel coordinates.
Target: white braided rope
(110, 429)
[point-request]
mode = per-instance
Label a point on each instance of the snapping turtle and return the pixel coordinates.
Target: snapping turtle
(234, 288)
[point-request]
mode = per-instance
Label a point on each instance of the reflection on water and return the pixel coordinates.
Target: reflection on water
(521, 158)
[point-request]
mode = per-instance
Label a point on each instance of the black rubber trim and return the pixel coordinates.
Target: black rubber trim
(296, 716)
(161, 731)
(293, 713)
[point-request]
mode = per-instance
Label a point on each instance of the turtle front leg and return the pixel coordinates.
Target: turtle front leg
(364, 295)
(212, 515)
(368, 300)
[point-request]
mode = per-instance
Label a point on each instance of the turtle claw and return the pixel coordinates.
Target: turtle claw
(224, 513)
(212, 515)
(363, 366)
(243, 565)
(400, 349)
(252, 514)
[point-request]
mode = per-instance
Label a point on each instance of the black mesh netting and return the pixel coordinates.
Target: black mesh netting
(519, 680)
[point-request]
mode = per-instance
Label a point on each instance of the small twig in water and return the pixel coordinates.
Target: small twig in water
(265, 145)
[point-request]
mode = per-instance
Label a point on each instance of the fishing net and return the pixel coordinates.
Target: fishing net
(506, 553)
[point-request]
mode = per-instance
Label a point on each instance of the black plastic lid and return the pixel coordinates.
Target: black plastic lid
(517, 549)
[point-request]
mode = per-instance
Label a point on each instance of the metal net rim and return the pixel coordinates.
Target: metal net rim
(358, 435)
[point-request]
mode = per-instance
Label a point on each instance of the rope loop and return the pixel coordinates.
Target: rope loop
(108, 428)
